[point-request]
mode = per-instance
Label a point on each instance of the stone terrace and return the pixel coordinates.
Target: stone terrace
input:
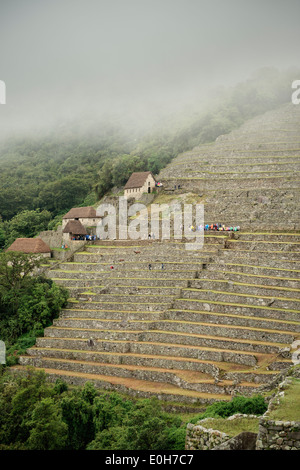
(202, 325)
(250, 177)
(206, 326)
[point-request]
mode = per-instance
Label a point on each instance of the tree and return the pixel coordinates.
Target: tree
(28, 303)
(48, 431)
(140, 426)
(27, 223)
(18, 397)
(124, 166)
(63, 194)
(105, 181)
(15, 268)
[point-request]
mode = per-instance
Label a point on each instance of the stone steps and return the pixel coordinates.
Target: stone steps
(126, 281)
(241, 276)
(132, 266)
(263, 245)
(115, 313)
(123, 307)
(114, 273)
(264, 236)
(104, 358)
(246, 288)
(137, 388)
(257, 269)
(230, 168)
(279, 259)
(242, 309)
(275, 302)
(182, 340)
(204, 183)
(231, 318)
(143, 258)
(188, 379)
(190, 327)
(153, 291)
(125, 353)
(123, 298)
(142, 373)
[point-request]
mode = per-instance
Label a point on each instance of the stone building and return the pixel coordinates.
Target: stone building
(73, 230)
(31, 245)
(87, 216)
(139, 183)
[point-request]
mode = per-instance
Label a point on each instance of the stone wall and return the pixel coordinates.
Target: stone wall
(198, 437)
(53, 238)
(275, 434)
(278, 435)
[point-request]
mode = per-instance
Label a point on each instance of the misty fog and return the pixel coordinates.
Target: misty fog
(63, 59)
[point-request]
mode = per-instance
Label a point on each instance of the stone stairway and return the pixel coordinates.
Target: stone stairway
(187, 333)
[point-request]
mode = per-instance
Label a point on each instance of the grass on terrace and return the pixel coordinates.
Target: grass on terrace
(289, 407)
(231, 427)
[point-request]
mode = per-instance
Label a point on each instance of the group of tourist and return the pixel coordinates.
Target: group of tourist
(85, 237)
(218, 227)
(221, 228)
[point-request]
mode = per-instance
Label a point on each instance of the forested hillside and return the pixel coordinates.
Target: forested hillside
(76, 164)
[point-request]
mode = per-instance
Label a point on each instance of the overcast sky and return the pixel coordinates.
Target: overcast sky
(59, 57)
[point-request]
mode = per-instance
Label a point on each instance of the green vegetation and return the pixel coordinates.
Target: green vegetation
(28, 303)
(255, 405)
(288, 409)
(232, 427)
(42, 416)
(26, 224)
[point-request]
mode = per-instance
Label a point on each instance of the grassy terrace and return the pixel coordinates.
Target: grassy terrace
(224, 157)
(238, 178)
(254, 172)
(263, 267)
(205, 164)
(148, 387)
(241, 273)
(232, 427)
(289, 408)
(258, 286)
(166, 333)
(189, 289)
(233, 304)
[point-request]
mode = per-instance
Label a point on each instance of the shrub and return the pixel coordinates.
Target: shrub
(245, 405)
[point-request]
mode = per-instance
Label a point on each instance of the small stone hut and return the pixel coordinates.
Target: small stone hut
(139, 183)
(31, 245)
(73, 230)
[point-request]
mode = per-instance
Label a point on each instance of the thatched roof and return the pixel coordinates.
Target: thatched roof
(75, 227)
(81, 213)
(138, 179)
(29, 245)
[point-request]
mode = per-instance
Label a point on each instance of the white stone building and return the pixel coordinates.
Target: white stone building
(139, 183)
